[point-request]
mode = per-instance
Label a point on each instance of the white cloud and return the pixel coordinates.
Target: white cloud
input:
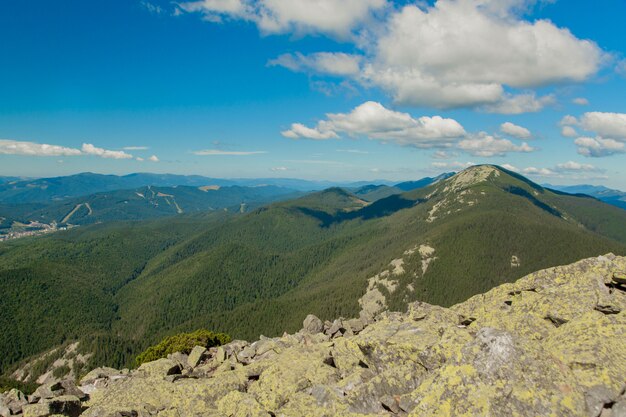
(569, 132)
(217, 152)
(333, 17)
(374, 121)
(540, 172)
(153, 158)
(605, 124)
(337, 63)
(298, 130)
(279, 169)
(608, 133)
(452, 165)
(486, 145)
(515, 130)
(139, 159)
(581, 101)
(572, 166)
(152, 8)
(461, 53)
(135, 148)
(14, 147)
(598, 147)
(90, 149)
(510, 167)
(520, 103)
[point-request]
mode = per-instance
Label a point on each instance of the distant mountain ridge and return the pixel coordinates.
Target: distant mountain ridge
(608, 195)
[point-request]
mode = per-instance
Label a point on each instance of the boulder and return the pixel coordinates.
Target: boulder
(99, 373)
(312, 324)
(66, 405)
(160, 368)
(197, 354)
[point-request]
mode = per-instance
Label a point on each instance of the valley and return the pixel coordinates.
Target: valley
(118, 287)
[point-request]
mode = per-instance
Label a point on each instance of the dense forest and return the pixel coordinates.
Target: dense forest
(121, 287)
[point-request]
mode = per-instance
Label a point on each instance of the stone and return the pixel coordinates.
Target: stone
(312, 324)
(197, 354)
(99, 373)
(356, 325)
(161, 368)
(495, 354)
(66, 405)
(220, 355)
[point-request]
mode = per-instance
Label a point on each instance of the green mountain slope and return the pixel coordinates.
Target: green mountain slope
(262, 272)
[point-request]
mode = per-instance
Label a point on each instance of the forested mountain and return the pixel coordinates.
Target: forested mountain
(143, 203)
(120, 287)
(608, 195)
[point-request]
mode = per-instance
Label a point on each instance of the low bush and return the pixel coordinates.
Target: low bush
(183, 342)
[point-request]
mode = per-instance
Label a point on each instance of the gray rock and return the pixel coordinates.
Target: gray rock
(336, 327)
(312, 324)
(67, 405)
(220, 355)
(596, 397)
(246, 355)
(160, 368)
(99, 373)
(4, 411)
(356, 325)
(197, 354)
(13, 400)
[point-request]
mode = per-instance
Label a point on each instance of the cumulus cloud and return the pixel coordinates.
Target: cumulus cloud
(453, 53)
(374, 121)
(90, 149)
(153, 158)
(14, 147)
(483, 144)
(337, 63)
(608, 133)
(598, 147)
(581, 101)
(218, 152)
(540, 172)
(461, 53)
(515, 130)
(572, 166)
(520, 103)
(605, 124)
(569, 132)
(298, 130)
(332, 17)
(452, 165)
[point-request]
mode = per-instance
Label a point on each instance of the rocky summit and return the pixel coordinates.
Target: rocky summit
(551, 344)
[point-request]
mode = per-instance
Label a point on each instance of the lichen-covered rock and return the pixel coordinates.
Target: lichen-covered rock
(551, 344)
(312, 324)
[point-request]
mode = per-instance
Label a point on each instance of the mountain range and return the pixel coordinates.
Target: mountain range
(118, 287)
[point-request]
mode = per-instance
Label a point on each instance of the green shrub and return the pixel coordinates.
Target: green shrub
(61, 371)
(183, 342)
(7, 384)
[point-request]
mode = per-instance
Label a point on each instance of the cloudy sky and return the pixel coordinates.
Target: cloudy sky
(318, 89)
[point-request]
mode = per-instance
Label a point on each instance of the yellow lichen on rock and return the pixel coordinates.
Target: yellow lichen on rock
(550, 344)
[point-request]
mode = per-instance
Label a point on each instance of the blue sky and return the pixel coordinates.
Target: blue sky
(283, 88)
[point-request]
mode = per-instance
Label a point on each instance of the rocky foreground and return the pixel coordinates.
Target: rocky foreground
(551, 344)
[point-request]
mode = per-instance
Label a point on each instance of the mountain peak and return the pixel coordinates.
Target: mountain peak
(472, 176)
